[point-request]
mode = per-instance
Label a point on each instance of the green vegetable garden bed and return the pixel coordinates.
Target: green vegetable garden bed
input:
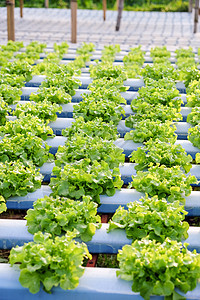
(88, 171)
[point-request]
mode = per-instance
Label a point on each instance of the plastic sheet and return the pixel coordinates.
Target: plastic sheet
(26, 91)
(35, 81)
(134, 84)
(128, 146)
(108, 204)
(71, 53)
(128, 95)
(127, 171)
(26, 202)
(67, 110)
(55, 142)
(14, 232)
(62, 123)
(95, 284)
(118, 58)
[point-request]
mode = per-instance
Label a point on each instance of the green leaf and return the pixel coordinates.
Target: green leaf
(18, 179)
(55, 261)
(197, 158)
(165, 288)
(49, 282)
(177, 296)
(30, 280)
(151, 217)
(84, 177)
(157, 268)
(60, 215)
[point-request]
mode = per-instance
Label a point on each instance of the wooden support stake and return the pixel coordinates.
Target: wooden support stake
(117, 4)
(21, 3)
(46, 3)
(120, 8)
(92, 262)
(190, 5)
(10, 19)
(104, 218)
(104, 9)
(196, 15)
(74, 21)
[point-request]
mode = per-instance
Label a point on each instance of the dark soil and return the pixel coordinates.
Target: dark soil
(4, 255)
(16, 214)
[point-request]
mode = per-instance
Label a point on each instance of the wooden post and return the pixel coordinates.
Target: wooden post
(21, 3)
(73, 21)
(196, 15)
(10, 19)
(46, 3)
(117, 4)
(92, 262)
(120, 8)
(190, 5)
(104, 9)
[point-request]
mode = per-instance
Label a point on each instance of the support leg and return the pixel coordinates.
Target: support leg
(21, 3)
(10, 19)
(104, 9)
(73, 21)
(120, 8)
(196, 15)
